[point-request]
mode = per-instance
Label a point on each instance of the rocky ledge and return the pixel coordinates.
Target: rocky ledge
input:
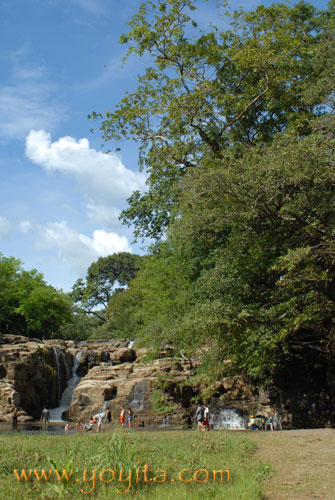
(34, 373)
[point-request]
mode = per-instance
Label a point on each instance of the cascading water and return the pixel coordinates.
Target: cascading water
(139, 391)
(58, 368)
(67, 396)
(64, 363)
(131, 343)
(226, 419)
(166, 422)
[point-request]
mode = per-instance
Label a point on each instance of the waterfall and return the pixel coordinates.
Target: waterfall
(64, 363)
(139, 392)
(130, 343)
(58, 368)
(166, 422)
(67, 396)
(226, 419)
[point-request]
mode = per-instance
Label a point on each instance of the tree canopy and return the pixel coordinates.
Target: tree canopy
(105, 277)
(235, 129)
(210, 94)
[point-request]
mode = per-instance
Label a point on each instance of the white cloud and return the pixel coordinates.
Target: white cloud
(78, 249)
(25, 226)
(103, 179)
(27, 102)
(5, 227)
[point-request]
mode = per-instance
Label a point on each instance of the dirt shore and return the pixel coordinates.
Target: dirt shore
(303, 463)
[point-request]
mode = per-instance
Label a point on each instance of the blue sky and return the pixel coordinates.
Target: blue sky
(60, 193)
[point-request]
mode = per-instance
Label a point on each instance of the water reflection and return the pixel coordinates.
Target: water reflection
(32, 428)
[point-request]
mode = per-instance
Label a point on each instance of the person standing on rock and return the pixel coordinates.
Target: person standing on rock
(122, 416)
(45, 417)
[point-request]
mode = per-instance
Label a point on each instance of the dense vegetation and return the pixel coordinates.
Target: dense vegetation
(28, 306)
(236, 133)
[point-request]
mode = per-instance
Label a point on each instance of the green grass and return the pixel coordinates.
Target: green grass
(165, 453)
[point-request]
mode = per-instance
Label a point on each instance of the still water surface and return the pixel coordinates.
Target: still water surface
(57, 428)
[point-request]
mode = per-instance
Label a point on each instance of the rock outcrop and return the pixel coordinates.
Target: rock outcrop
(34, 373)
(134, 384)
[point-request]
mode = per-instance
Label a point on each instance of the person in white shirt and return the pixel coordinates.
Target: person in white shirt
(206, 416)
(98, 419)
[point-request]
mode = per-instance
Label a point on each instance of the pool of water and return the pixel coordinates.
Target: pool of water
(33, 428)
(57, 428)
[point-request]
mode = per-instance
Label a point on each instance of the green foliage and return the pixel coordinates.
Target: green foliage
(267, 221)
(155, 298)
(28, 306)
(81, 326)
(159, 403)
(247, 271)
(45, 310)
(102, 279)
(236, 134)
(210, 93)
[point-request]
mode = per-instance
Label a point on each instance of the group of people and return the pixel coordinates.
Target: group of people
(202, 417)
(97, 419)
(130, 416)
(259, 422)
(107, 417)
(45, 417)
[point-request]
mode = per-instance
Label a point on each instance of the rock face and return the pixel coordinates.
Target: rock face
(133, 384)
(33, 374)
(113, 373)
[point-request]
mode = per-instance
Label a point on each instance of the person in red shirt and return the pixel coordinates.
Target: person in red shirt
(122, 416)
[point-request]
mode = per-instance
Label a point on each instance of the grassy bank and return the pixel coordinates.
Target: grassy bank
(155, 465)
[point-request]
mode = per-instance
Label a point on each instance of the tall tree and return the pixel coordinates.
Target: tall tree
(105, 277)
(209, 94)
(236, 132)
